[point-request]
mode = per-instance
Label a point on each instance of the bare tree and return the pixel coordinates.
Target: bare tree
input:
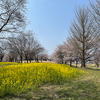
(82, 35)
(32, 48)
(30, 43)
(1, 54)
(58, 54)
(17, 45)
(12, 56)
(2, 50)
(43, 56)
(38, 49)
(12, 16)
(97, 54)
(25, 46)
(95, 13)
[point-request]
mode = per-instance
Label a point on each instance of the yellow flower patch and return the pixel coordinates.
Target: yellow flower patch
(16, 79)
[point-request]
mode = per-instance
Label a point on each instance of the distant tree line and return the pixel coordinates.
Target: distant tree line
(24, 47)
(83, 45)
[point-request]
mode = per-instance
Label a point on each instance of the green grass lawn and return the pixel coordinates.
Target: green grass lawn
(86, 87)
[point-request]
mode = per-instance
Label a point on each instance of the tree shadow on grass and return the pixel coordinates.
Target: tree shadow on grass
(93, 69)
(86, 90)
(14, 97)
(86, 68)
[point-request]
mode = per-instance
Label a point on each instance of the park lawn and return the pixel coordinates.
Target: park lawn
(86, 87)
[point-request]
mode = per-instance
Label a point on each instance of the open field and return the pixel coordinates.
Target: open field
(85, 87)
(33, 61)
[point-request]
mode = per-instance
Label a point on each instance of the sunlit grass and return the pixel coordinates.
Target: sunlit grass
(16, 79)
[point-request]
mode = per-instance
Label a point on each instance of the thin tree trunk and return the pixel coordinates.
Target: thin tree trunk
(83, 49)
(1, 59)
(27, 60)
(83, 63)
(97, 65)
(41, 59)
(71, 62)
(83, 56)
(76, 62)
(26, 57)
(21, 59)
(37, 60)
(15, 59)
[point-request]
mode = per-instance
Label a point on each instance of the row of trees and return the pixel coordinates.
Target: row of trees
(25, 47)
(15, 42)
(84, 42)
(12, 20)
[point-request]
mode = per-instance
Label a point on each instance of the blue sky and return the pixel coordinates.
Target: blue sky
(50, 20)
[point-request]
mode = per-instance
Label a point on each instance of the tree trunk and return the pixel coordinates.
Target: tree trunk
(76, 62)
(71, 62)
(83, 48)
(37, 60)
(27, 60)
(83, 57)
(97, 64)
(21, 58)
(1, 59)
(83, 63)
(26, 57)
(41, 59)
(15, 59)
(11, 60)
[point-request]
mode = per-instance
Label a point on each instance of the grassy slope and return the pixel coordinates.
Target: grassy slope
(87, 87)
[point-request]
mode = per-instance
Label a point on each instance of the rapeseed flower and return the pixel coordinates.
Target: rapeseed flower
(18, 78)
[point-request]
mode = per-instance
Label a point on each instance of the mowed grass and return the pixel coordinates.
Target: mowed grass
(22, 78)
